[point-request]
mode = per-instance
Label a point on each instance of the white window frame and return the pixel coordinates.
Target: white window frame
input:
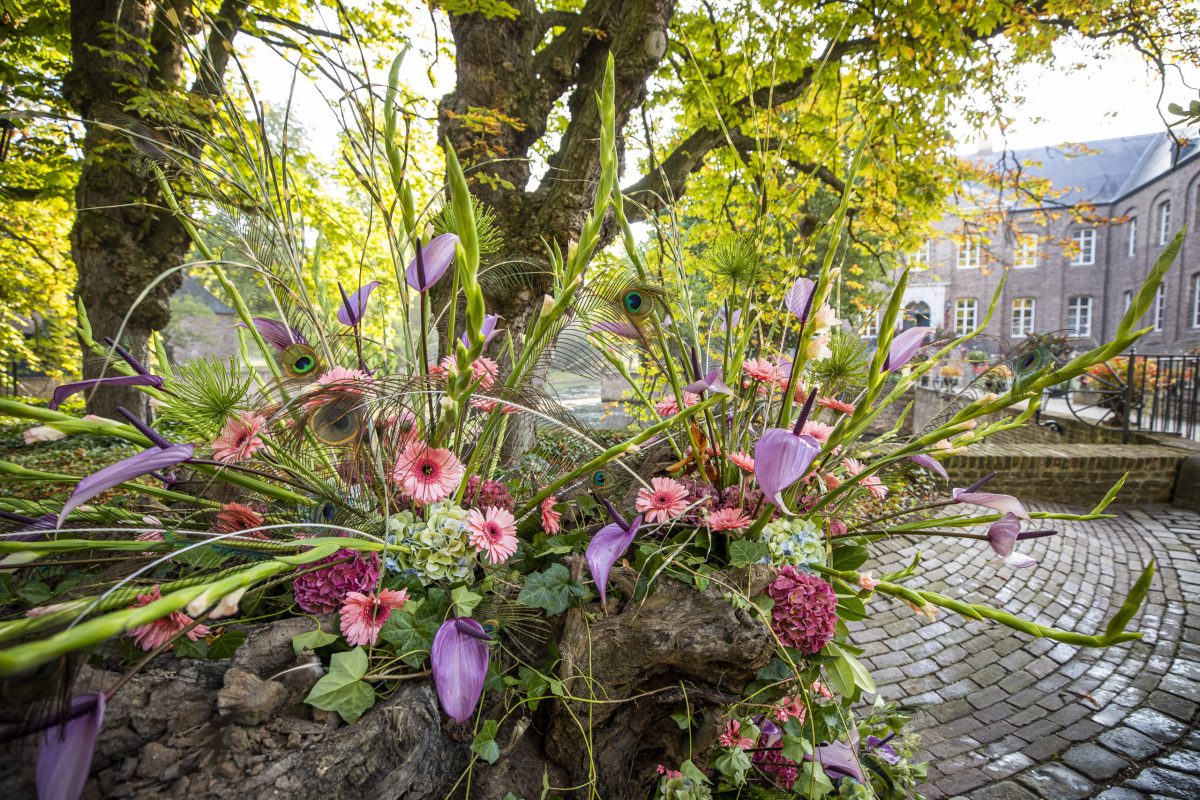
(1085, 247)
(922, 256)
(1079, 315)
(871, 326)
(969, 254)
(966, 315)
(1026, 252)
(1196, 300)
(1022, 317)
(1132, 237)
(1160, 308)
(1164, 221)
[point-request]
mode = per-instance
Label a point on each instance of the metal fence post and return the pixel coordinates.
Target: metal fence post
(1128, 397)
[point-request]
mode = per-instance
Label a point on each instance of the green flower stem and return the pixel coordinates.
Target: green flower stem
(15, 472)
(615, 452)
(31, 654)
(977, 611)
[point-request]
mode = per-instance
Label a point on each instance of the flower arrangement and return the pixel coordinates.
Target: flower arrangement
(442, 508)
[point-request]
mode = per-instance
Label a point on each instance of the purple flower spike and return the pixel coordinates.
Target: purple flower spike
(711, 382)
(799, 298)
(1002, 535)
(930, 463)
(431, 264)
(488, 330)
(460, 663)
(782, 457)
(65, 751)
(277, 334)
(115, 474)
(1004, 503)
(605, 548)
(354, 307)
(839, 761)
(905, 345)
(883, 749)
(736, 316)
(61, 393)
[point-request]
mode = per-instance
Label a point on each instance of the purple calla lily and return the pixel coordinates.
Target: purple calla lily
(839, 760)
(882, 749)
(782, 457)
(712, 382)
(736, 316)
(61, 393)
(32, 529)
(1004, 503)
(799, 298)
(460, 662)
(905, 345)
(623, 329)
(278, 334)
(432, 262)
(115, 474)
(488, 329)
(65, 751)
(354, 307)
(930, 463)
(1004, 533)
(606, 547)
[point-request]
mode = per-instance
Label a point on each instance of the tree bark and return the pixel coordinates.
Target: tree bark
(122, 240)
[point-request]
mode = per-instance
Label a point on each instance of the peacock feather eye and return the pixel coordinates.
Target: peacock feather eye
(599, 478)
(337, 423)
(299, 360)
(634, 302)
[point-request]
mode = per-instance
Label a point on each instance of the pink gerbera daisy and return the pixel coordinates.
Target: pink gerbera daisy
(550, 517)
(871, 482)
(342, 376)
(732, 736)
(363, 615)
(669, 406)
(155, 634)
(761, 369)
(817, 430)
(743, 460)
(427, 474)
(666, 500)
(728, 519)
(483, 370)
(493, 531)
(236, 518)
(240, 440)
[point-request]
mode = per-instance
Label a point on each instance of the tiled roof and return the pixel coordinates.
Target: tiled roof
(1099, 172)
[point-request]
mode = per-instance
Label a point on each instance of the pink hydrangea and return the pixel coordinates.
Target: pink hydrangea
(487, 494)
(773, 764)
(323, 590)
(805, 613)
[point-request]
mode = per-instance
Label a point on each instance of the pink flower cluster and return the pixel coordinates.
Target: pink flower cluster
(484, 494)
(323, 590)
(805, 613)
(772, 763)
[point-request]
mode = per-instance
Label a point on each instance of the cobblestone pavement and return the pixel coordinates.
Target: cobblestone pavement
(1006, 717)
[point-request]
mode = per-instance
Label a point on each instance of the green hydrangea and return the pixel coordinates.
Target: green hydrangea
(794, 540)
(683, 789)
(435, 549)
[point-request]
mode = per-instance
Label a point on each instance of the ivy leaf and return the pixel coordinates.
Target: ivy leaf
(464, 601)
(795, 747)
(682, 720)
(550, 590)
(225, 645)
(35, 593)
(186, 648)
(311, 640)
(745, 553)
(343, 690)
(485, 745)
(690, 770)
(733, 764)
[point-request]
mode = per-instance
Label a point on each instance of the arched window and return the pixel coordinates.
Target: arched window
(916, 314)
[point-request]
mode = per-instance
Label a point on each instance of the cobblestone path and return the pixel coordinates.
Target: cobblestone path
(1007, 717)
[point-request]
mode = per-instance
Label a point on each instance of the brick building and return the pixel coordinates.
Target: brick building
(1074, 257)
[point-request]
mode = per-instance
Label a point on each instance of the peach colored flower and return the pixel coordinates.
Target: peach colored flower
(871, 483)
(728, 519)
(494, 532)
(43, 433)
(818, 348)
(240, 440)
(822, 690)
(550, 517)
(791, 707)
(363, 615)
(669, 407)
(743, 461)
(155, 634)
(865, 581)
(428, 474)
(761, 369)
(666, 500)
(836, 405)
(817, 430)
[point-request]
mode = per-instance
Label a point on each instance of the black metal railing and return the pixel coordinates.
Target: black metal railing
(1163, 394)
